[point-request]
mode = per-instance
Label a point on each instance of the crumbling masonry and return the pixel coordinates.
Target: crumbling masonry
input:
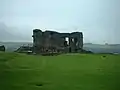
(56, 42)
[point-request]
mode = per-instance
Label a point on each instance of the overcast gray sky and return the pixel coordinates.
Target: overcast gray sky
(99, 20)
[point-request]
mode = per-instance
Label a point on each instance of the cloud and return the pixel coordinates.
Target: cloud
(13, 34)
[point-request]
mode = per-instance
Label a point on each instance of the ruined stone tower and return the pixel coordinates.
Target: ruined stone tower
(51, 40)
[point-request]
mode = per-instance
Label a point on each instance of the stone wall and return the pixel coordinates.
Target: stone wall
(50, 39)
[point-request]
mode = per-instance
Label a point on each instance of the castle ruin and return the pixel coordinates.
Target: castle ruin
(56, 42)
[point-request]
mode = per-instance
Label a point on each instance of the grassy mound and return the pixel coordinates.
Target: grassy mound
(63, 72)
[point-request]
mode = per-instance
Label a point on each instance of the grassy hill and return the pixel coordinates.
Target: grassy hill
(63, 72)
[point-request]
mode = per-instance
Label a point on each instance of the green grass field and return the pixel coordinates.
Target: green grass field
(63, 72)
